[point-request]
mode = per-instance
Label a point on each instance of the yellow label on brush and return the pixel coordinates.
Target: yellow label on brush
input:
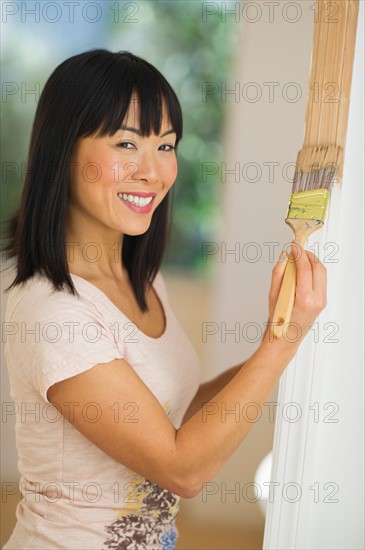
(309, 205)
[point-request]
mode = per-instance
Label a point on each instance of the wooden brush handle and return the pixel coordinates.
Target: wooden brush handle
(284, 305)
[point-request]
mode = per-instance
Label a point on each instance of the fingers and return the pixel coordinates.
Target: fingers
(310, 290)
(311, 285)
(304, 269)
(319, 279)
(311, 278)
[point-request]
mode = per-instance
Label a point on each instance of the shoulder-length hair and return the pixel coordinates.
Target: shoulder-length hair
(87, 94)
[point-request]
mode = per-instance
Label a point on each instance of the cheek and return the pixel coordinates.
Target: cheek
(96, 173)
(171, 171)
(104, 171)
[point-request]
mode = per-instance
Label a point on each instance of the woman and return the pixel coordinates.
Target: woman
(112, 427)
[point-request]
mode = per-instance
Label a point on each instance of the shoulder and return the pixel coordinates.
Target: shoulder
(37, 299)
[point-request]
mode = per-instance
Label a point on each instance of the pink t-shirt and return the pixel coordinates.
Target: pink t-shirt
(75, 496)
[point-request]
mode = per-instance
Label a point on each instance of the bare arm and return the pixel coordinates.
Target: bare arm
(209, 389)
(182, 460)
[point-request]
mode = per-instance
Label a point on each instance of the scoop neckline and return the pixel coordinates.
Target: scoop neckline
(157, 339)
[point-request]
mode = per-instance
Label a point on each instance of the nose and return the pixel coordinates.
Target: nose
(146, 168)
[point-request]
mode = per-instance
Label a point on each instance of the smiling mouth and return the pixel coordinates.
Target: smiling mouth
(136, 199)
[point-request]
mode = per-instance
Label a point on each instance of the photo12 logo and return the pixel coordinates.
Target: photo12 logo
(268, 12)
(70, 12)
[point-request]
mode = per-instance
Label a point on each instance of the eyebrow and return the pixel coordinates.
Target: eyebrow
(136, 131)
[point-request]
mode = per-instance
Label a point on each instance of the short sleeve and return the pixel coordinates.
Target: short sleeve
(57, 335)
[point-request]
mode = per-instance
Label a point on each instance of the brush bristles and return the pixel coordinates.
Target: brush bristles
(316, 179)
(318, 168)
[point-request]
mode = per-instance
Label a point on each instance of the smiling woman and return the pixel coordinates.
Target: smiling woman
(129, 172)
(123, 428)
(79, 120)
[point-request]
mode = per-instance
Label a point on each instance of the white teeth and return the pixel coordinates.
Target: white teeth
(144, 201)
(134, 199)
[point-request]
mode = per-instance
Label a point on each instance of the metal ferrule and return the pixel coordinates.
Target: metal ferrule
(309, 205)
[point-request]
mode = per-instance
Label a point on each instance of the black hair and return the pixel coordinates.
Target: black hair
(87, 94)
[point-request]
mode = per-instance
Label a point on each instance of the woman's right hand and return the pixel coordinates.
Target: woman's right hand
(310, 294)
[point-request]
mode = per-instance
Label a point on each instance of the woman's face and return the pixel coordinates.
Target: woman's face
(118, 181)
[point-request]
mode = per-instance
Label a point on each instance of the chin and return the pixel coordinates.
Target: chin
(134, 232)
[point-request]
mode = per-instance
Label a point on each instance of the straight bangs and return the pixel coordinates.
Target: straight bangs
(123, 83)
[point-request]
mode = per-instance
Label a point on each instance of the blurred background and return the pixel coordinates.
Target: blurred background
(240, 70)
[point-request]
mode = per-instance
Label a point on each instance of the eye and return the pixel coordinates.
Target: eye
(171, 147)
(124, 144)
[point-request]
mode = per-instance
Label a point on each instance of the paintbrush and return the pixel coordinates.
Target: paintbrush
(319, 163)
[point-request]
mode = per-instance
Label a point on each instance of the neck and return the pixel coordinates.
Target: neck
(95, 253)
